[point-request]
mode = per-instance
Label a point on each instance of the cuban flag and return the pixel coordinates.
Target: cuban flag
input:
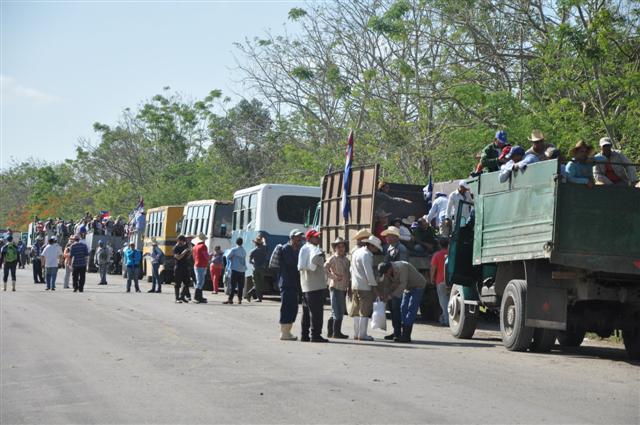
(105, 215)
(346, 207)
(428, 193)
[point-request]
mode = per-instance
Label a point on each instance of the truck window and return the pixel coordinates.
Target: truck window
(296, 209)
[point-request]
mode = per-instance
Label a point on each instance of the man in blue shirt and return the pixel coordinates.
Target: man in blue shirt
(132, 259)
(238, 259)
(79, 254)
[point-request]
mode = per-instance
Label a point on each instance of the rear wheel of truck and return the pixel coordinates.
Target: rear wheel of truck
(543, 340)
(515, 335)
(631, 339)
(572, 337)
(462, 323)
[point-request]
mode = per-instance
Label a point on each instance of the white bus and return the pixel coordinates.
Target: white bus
(272, 211)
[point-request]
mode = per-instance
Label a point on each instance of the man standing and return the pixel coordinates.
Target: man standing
(21, 254)
(79, 253)
(312, 281)
(490, 159)
(258, 258)
(289, 283)
(406, 283)
(438, 213)
(132, 258)
(36, 252)
(437, 278)
(238, 257)
(9, 256)
(51, 255)
(181, 272)
(157, 258)
(102, 260)
(463, 193)
(396, 251)
(200, 264)
(363, 286)
(612, 167)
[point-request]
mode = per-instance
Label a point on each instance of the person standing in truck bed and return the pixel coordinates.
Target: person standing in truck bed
(612, 167)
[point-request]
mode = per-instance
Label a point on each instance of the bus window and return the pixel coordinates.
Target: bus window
(189, 227)
(236, 213)
(296, 209)
(251, 212)
(244, 213)
(207, 217)
(222, 221)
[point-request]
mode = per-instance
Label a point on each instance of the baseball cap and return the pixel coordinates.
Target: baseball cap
(311, 234)
(295, 232)
(501, 135)
(516, 150)
(605, 141)
(463, 183)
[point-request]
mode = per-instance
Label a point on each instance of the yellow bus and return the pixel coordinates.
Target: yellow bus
(162, 226)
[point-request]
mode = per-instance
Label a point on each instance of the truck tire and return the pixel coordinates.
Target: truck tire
(462, 324)
(515, 335)
(572, 337)
(631, 339)
(543, 340)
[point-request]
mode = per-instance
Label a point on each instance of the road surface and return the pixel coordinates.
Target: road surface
(109, 357)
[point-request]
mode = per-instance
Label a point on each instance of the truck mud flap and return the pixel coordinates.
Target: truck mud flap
(546, 302)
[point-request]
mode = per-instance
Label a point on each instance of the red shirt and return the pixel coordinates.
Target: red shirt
(437, 262)
(200, 255)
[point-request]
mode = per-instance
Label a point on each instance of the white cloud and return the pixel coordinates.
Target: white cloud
(11, 88)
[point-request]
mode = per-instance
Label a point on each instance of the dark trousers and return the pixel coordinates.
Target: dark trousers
(288, 305)
(37, 270)
(132, 274)
(396, 316)
(237, 284)
(181, 278)
(9, 268)
(78, 275)
(312, 311)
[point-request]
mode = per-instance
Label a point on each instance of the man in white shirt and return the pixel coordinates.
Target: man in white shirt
(363, 286)
(51, 256)
(612, 167)
(313, 283)
(463, 193)
(518, 160)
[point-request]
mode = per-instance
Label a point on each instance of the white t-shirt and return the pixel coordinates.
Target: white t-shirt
(51, 254)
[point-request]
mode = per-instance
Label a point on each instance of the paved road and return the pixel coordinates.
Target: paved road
(108, 357)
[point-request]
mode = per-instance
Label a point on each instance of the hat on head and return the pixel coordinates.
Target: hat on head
(409, 220)
(536, 136)
(391, 231)
(100, 242)
(579, 145)
(200, 238)
(311, 234)
(154, 241)
(294, 233)
(516, 150)
(362, 234)
(372, 240)
(463, 183)
(605, 141)
(338, 241)
(501, 136)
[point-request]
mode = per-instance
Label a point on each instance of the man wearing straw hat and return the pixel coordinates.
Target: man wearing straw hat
(579, 171)
(395, 251)
(200, 264)
(538, 145)
(364, 286)
(360, 238)
(337, 270)
(612, 167)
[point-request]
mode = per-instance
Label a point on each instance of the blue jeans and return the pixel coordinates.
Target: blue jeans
(443, 298)
(410, 304)
(50, 277)
(132, 273)
(155, 277)
(201, 272)
(338, 303)
(288, 305)
(396, 316)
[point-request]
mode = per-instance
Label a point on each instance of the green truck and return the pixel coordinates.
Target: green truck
(553, 259)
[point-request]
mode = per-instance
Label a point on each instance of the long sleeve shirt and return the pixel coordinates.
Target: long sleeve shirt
(289, 276)
(507, 168)
(579, 173)
(310, 265)
(454, 201)
(337, 269)
(438, 210)
(621, 169)
(489, 157)
(363, 278)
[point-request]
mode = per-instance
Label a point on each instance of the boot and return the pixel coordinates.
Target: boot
(337, 330)
(14, 286)
(406, 333)
(5, 286)
(330, 323)
(197, 296)
(285, 332)
(356, 327)
(362, 336)
(239, 299)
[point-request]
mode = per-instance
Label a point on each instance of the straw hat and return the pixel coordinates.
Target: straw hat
(409, 220)
(581, 144)
(338, 241)
(200, 238)
(362, 234)
(372, 240)
(391, 231)
(536, 136)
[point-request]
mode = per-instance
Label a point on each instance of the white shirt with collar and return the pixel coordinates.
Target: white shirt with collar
(454, 201)
(363, 277)
(438, 210)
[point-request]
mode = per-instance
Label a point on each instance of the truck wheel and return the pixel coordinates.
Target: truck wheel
(543, 340)
(462, 323)
(515, 335)
(572, 337)
(632, 342)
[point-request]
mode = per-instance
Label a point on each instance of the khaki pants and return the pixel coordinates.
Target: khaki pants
(361, 303)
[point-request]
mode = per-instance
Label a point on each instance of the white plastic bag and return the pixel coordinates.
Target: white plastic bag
(379, 316)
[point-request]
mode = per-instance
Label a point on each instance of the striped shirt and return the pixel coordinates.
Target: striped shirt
(79, 253)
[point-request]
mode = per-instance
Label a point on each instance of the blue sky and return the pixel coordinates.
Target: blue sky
(66, 65)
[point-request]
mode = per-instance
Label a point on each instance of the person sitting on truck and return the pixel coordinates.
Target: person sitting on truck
(518, 160)
(612, 167)
(579, 169)
(538, 145)
(438, 212)
(381, 223)
(425, 236)
(396, 251)
(463, 193)
(383, 199)
(490, 158)
(405, 234)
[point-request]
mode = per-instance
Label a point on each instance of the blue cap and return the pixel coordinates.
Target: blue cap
(516, 150)
(502, 136)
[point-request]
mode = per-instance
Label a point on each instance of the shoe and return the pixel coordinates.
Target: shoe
(406, 334)
(240, 301)
(158, 291)
(197, 301)
(137, 290)
(340, 335)
(330, 327)
(259, 300)
(178, 301)
(362, 330)
(366, 338)
(46, 289)
(53, 289)
(150, 291)
(128, 290)
(390, 337)
(203, 300)
(319, 339)
(75, 290)
(285, 332)
(184, 300)
(305, 339)
(227, 302)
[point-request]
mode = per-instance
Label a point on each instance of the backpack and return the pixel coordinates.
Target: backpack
(274, 261)
(11, 255)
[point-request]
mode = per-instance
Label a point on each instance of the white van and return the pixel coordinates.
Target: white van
(211, 217)
(272, 211)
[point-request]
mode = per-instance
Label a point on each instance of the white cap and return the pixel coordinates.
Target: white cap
(464, 184)
(605, 141)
